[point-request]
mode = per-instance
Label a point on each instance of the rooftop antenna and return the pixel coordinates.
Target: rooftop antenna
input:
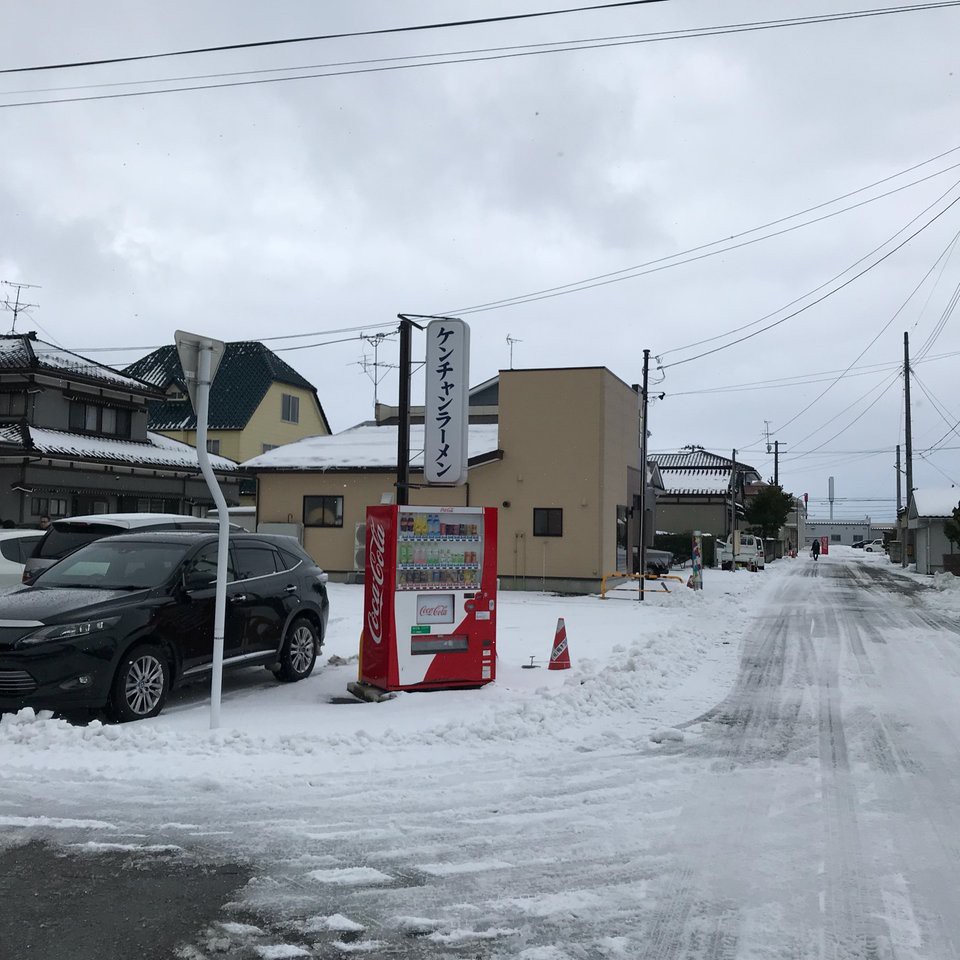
(766, 424)
(367, 366)
(16, 307)
(511, 341)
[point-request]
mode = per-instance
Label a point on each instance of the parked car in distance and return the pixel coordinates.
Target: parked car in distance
(16, 547)
(750, 554)
(875, 546)
(122, 621)
(66, 535)
(857, 544)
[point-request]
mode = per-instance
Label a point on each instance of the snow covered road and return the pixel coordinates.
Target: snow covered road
(814, 812)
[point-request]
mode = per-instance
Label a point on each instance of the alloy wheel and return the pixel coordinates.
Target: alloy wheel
(144, 685)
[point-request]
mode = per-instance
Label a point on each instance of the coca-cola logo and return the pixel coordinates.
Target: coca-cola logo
(377, 562)
(437, 610)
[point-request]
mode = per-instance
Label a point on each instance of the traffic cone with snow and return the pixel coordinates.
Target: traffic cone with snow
(560, 655)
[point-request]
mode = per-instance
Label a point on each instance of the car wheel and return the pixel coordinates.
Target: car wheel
(141, 686)
(299, 652)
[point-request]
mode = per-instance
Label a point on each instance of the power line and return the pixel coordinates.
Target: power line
(286, 336)
(723, 246)
(446, 60)
(829, 293)
(944, 255)
(286, 41)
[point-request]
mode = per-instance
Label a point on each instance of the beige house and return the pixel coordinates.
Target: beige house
(557, 453)
(257, 401)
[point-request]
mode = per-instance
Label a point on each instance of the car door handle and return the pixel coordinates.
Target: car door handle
(237, 597)
(291, 588)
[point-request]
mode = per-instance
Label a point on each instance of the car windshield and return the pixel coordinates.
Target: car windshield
(62, 539)
(113, 564)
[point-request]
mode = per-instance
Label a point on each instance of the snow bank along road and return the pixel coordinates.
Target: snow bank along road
(813, 812)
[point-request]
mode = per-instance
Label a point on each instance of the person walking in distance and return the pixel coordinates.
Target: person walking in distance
(815, 547)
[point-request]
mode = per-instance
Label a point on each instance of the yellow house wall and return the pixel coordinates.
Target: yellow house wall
(264, 426)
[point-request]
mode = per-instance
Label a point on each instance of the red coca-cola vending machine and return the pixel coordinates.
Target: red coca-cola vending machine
(430, 597)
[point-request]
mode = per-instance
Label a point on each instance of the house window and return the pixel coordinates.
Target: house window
(213, 446)
(548, 521)
(289, 408)
(323, 511)
(92, 418)
(48, 507)
(834, 537)
(267, 447)
(13, 404)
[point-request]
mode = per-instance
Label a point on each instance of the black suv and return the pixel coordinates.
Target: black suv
(121, 621)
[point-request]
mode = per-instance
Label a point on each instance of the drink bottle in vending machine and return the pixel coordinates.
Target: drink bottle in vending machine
(430, 597)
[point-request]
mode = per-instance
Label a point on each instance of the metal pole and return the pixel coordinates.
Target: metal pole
(734, 519)
(908, 434)
(220, 604)
(643, 475)
(776, 463)
(899, 491)
(403, 428)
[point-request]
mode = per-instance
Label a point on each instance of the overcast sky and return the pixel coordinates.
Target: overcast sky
(322, 204)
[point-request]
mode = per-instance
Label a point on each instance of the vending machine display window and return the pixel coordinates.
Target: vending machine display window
(439, 551)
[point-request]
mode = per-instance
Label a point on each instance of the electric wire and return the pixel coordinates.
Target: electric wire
(287, 41)
(723, 30)
(724, 245)
(829, 293)
(944, 255)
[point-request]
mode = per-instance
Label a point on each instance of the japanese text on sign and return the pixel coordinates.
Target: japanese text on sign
(446, 407)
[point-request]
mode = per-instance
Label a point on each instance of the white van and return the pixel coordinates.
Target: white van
(749, 554)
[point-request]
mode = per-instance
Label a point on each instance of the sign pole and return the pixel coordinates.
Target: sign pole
(200, 358)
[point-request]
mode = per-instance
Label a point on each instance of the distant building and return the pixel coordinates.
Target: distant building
(74, 440)
(927, 513)
(842, 532)
(257, 402)
(702, 491)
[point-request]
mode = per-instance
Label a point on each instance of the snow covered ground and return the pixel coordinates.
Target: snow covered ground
(762, 770)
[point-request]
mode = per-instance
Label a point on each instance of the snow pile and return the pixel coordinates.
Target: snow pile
(636, 667)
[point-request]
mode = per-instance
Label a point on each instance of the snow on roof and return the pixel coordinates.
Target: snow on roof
(935, 501)
(695, 481)
(157, 451)
(364, 446)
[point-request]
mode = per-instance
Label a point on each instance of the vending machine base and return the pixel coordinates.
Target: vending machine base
(367, 691)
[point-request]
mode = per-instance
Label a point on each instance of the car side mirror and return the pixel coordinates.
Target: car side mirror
(194, 581)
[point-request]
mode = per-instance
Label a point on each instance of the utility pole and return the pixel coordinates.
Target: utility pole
(16, 308)
(734, 481)
(908, 434)
(899, 493)
(776, 463)
(643, 474)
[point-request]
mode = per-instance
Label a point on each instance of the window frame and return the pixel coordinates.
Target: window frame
(289, 408)
(548, 516)
(213, 446)
(82, 414)
(337, 509)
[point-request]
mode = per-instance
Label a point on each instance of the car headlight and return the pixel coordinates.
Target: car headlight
(68, 631)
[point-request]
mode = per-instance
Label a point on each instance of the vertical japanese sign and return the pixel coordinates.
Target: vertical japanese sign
(446, 407)
(696, 563)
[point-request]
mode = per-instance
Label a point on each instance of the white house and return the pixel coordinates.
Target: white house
(928, 510)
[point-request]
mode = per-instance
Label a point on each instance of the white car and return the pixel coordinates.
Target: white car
(16, 546)
(874, 546)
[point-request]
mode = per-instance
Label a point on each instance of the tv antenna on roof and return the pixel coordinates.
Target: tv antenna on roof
(367, 365)
(511, 341)
(16, 307)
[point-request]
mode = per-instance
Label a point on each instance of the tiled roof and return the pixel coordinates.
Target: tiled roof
(157, 451)
(696, 458)
(24, 352)
(247, 370)
(695, 481)
(366, 446)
